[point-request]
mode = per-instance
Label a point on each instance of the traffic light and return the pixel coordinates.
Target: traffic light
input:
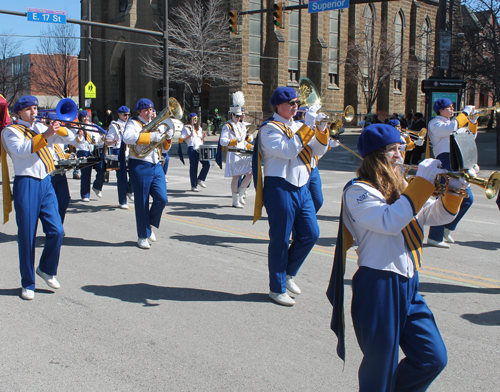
(278, 15)
(233, 21)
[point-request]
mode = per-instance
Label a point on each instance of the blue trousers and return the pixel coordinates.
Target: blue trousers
(436, 232)
(288, 207)
(61, 189)
(86, 174)
(194, 159)
(122, 182)
(388, 312)
(147, 179)
(314, 185)
(35, 199)
(165, 165)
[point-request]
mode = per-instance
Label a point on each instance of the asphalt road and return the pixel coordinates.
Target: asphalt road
(192, 313)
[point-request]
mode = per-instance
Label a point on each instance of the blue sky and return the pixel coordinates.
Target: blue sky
(19, 25)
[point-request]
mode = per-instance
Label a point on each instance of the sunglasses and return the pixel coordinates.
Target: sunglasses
(293, 102)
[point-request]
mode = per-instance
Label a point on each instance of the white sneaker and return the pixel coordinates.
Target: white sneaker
(447, 236)
(202, 183)
(86, 199)
(152, 237)
(437, 244)
(27, 294)
(166, 180)
(195, 189)
(130, 196)
(97, 192)
(143, 243)
(282, 299)
(124, 206)
(49, 279)
(292, 286)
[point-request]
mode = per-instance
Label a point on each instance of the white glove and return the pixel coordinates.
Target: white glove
(402, 147)
(155, 137)
(458, 183)
(333, 143)
(419, 142)
(429, 168)
(322, 124)
(476, 168)
(472, 172)
(170, 134)
(468, 110)
(310, 116)
(472, 117)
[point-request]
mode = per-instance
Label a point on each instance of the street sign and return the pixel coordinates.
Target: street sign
(90, 90)
(326, 5)
(47, 16)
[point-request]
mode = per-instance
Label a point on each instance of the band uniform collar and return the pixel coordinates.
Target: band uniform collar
(288, 123)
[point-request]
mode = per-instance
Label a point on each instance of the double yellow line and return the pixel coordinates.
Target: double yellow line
(432, 272)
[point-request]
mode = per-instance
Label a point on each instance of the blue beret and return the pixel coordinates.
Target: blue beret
(283, 94)
(395, 123)
(144, 103)
(24, 102)
(191, 115)
(441, 103)
(51, 115)
(83, 113)
(124, 110)
(377, 136)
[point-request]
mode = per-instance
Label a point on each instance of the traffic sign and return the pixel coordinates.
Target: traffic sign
(47, 16)
(326, 5)
(90, 90)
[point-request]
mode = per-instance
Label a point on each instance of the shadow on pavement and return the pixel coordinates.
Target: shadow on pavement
(17, 292)
(480, 244)
(486, 318)
(425, 287)
(143, 293)
(218, 240)
(78, 241)
(211, 215)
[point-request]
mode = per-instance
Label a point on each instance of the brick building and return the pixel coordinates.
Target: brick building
(312, 45)
(30, 71)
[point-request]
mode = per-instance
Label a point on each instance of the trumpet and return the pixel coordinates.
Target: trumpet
(490, 185)
(409, 134)
(309, 95)
(482, 111)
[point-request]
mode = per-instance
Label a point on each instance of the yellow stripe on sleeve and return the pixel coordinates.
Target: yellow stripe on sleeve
(38, 142)
(418, 191)
(144, 138)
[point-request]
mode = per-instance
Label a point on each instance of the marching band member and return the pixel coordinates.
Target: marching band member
(194, 137)
(286, 149)
(440, 129)
(146, 174)
(114, 138)
(234, 134)
(385, 216)
(56, 147)
(33, 194)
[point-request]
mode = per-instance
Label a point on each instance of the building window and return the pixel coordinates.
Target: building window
(369, 20)
(333, 51)
(254, 38)
(426, 43)
(122, 4)
(293, 43)
(398, 51)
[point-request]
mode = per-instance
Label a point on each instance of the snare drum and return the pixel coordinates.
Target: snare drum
(208, 152)
(112, 162)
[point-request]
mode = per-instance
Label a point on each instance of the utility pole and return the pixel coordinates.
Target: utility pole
(166, 77)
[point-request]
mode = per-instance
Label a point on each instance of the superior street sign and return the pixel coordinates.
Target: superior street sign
(326, 5)
(47, 16)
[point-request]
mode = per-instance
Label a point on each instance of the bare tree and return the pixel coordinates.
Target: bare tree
(200, 49)
(481, 55)
(371, 61)
(14, 71)
(56, 71)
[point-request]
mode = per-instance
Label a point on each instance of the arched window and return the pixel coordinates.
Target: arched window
(333, 51)
(293, 43)
(425, 49)
(369, 20)
(398, 50)
(254, 38)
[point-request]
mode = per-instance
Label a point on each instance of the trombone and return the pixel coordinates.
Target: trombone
(490, 185)
(309, 95)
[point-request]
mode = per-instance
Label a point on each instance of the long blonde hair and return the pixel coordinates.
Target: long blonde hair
(377, 169)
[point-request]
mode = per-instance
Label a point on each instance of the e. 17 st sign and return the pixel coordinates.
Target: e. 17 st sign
(47, 16)
(326, 5)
